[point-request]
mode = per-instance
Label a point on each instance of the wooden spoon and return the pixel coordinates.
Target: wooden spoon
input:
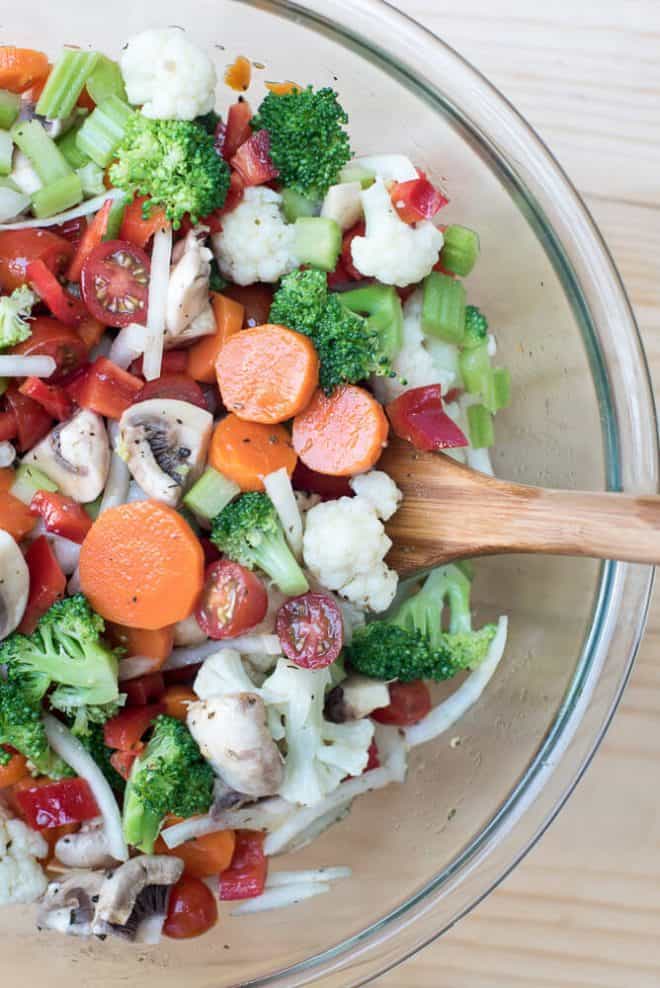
(450, 511)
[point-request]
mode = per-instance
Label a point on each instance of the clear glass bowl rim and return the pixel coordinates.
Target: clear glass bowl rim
(435, 72)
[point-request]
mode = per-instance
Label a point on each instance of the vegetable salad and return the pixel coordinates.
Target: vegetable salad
(211, 317)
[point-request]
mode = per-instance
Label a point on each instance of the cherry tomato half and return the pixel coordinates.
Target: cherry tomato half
(409, 702)
(115, 283)
(19, 247)
(179, 387)
(310, 630)
(192, 909)
(233, 600)
(51, 338)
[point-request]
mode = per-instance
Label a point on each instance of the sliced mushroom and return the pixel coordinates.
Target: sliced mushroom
(69, 903)
(14, 584)
(188, 632)
(88, 848)
(232, 735)
(76, 456)
(164, 443)
(188, 291)
(122, 893)
(356, 697)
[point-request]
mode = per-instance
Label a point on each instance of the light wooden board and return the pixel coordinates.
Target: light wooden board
(584, 907)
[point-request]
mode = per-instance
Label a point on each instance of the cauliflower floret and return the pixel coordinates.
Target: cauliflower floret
(256, 243)
(373, 591)
(393, 251)
(379, 490)
(168, 75)
(22, 879)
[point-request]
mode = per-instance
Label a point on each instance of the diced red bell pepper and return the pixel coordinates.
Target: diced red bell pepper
(62, 304)
(418, 416)
(174, 362)
(61, 515)
(417, 199)
(373, 761)
(71, 230)
(135, 228)
(329, 488)
(73, 382)
(32, 420)
(346, 257)
(122, 762)
(183, 676)
(124, 731)
(339, 276)
(91, 238)
(235, 195)
(253, 161)
(47, 583)
(51, 397)
(8, 426)
(409, 702)
(143, 690)
(57, 803)
(107, 389)
(230, 136)
(246, 876)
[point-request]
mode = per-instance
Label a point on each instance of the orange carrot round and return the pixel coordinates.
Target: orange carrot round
(202, 356)
(176, 700)
(20, 67)
(203, 857)
(267, 374)
(341, 434)
(156, 643)
(142, 566)
(246, 452)
(283, 88)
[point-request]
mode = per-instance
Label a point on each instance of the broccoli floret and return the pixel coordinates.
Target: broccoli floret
(93, 741)
(15, 309)
(169, 777)
(175, 164)
(66, 650)
(308, 143)
(209, 121)
(249, 532)
(21, 727)
(350, 348)
(476, 327)
(412, 644)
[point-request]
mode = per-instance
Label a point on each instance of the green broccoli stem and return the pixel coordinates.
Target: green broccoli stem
(382, 305)
(274, 557)
(140, 824)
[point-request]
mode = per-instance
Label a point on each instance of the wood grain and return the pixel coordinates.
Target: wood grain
(584, 908)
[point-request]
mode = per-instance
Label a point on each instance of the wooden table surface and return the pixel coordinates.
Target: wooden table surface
(583, 909)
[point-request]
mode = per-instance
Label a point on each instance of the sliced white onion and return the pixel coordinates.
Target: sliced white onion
(12, 366)
(71, 750)
(116, 487)
(280, 491)
(128, 345)
(84, 209)
(245, 644)
(7, 454)
(445, 715)
(135, 666)
(158, 285)
(66, 552)
(479, 459)
(12, 204)
(73, 586)
(389, 167)
(283, 878)
(102, 348)
(280, 898)
(264, 815)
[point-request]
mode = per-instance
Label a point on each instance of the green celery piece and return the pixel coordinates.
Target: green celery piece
(294, 205)
(106, 81)
(92, 179)
(354, 173)
(45, 157)
(477, 375)
(4, 384)
(115, 218)
(480, 427)
(6, 152)
(103, 130)
(210, 494)
(461, 250)
(69, 147)
(65, 83)
(318, 241)
(10, 105)
(58, 196)
(443, 307)
(502, 386)
(28, 481)
(382, 305)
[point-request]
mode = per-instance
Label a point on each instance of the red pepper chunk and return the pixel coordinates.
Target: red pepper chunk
(246, 876)
(253, 161)
(230, 136)
(143, 690)
(62, 304)
(47, 583)
(418, 416)
(31, 419)
(90, 239)
(122, 762)
(57, 803)
(417, 199)
(61, 515)
(125, 730)
(107, 389)
(52, 398)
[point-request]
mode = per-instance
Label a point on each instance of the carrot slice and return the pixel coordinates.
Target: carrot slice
(141, 565)
(176, 700)
(341, 434)
(246, 452)
(7, 477)
(15, 517)
(283, 88)
(154, 643)
(202, 356)
(267, 374)
(203, 857)
(20, 67)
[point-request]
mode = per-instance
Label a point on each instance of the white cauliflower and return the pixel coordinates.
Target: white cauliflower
(393, 251)
(22, 879)
(256, 243)
(373, 590)
(379, 490)
(168, 75)
(421, 361)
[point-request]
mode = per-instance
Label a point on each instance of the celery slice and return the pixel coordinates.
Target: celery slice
(103, 130)
(318, 242)
(65, 83)
(210, 494)
(502, 386)
(443, 307)
(106, 81)
(461, 250)
(28, 481)
(382, 305)
(43, 153)
(69, 148)
(58, 196)
(355, 173)
(294, 205)
(480, 427)
(477, 375)
(92, 179)
(10, 104)
(6, 152)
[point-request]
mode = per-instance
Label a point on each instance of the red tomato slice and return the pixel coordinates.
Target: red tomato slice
(418, 416)
(417, 199)
(32, 421)
(47, 583)
(115, 283)
(19, 247)
(62, 304)
(253, 161)
(233, 600)
(146, 689)
(57, 803)
(53, 399)
(107, 389)
(125, 729)
(346, 257)
(174, 362)
(310, 630)
(180, 387)
(236, 131)
(256, 300)
(192, 909)
(61, 515)
(329, 488)
(53, 339)
(246, 878)
(409, 702)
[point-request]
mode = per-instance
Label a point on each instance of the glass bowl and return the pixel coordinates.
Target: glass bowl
(582, 417)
